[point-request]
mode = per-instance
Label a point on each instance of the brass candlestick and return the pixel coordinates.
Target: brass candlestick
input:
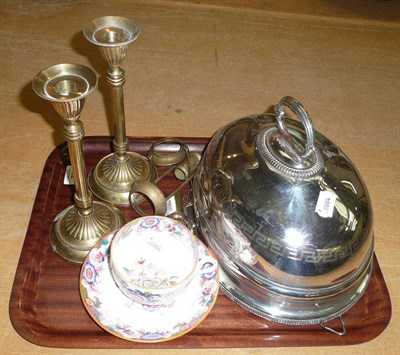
(112, 177)
(76, 229)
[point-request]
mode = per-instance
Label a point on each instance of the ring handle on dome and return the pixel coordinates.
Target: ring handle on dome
(305, 119)
(289, 150)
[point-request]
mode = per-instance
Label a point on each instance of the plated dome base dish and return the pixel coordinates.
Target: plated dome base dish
(291, 310)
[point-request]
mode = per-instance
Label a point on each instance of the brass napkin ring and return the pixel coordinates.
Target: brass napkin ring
(170, 158)
(188, 166)
(152, 193)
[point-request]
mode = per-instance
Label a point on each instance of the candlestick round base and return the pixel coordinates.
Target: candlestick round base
(73, 234)
(111, 179)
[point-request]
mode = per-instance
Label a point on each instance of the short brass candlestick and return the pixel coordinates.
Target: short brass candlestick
(76, 229)
(112, 177)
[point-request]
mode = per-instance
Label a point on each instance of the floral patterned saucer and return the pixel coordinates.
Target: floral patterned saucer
(120, 316)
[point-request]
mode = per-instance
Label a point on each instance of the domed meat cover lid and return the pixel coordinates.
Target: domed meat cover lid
(287, 214)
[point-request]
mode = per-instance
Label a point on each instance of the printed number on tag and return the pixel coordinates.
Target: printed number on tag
(171, 205)
(326, 204)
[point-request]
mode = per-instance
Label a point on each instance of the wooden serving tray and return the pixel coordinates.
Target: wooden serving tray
(46, 309)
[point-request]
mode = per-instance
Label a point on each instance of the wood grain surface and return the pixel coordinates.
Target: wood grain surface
(196, 66)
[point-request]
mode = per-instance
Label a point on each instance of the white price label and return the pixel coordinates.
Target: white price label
(68, 178)
(171, 205)
(326, 204)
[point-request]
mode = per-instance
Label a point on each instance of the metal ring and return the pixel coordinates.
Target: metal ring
(152, 193)
(187, 166)
(305, 119)
(167, 159)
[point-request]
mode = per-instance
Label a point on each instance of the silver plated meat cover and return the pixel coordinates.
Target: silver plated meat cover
(288, 216)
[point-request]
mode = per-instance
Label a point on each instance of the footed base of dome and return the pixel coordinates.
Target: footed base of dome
(291, 310)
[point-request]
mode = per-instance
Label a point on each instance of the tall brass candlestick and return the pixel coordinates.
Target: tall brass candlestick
(112, 177)
(76, 229)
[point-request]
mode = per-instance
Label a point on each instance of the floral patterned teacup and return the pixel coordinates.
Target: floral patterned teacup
(153, 259)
